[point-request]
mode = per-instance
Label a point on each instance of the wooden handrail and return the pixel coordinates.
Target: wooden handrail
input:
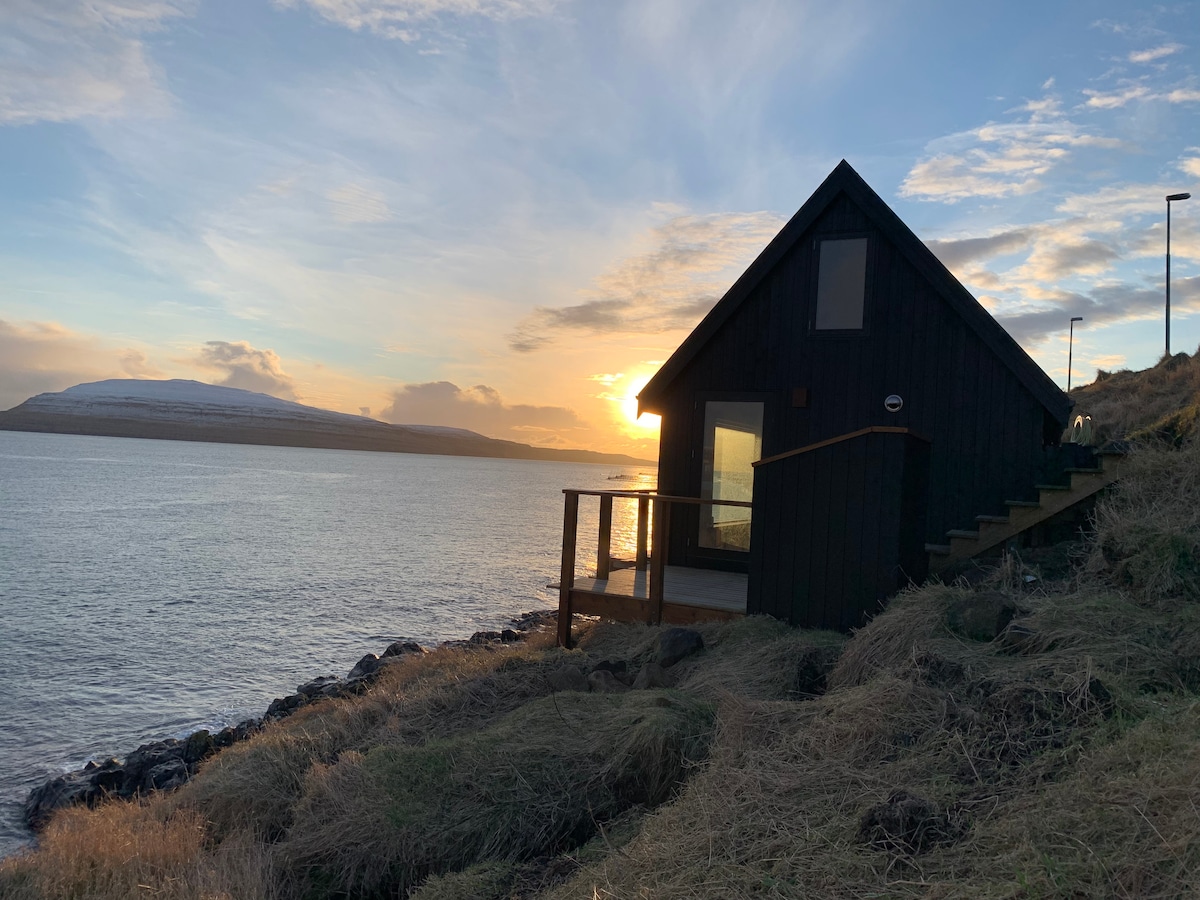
(657, 498)
(873, 429)
(656, 561)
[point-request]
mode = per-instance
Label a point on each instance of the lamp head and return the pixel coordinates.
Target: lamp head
(1076, 318)
(1183, 196)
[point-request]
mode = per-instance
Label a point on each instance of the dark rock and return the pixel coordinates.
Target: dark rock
(485, 637)
(676, 643)
(906, 823)
(316, 687)
(166, 776)
(651, 675)
(58, 793)
(403, 648)
(199, 745)
(981, 617)
(508, 636)
(281, 707)
(604, 682)
(224, 738)
(617, 667)
(246, 728)
(567, 678)
(365, 667)
(812, 671)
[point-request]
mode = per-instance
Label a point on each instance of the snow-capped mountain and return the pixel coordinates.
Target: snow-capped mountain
(193, 411)
(180, 400)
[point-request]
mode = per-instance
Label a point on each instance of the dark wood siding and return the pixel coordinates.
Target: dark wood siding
(984, 425)
(855, 510)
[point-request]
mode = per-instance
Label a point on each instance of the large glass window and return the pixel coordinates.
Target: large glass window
(841, 284)
(732, 443)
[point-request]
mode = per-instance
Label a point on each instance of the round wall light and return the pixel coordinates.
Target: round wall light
(893, 403)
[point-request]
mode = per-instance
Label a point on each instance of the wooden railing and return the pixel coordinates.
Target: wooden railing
(653, 556)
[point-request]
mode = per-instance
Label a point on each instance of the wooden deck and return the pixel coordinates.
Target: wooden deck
(700, 590)
(651, 591)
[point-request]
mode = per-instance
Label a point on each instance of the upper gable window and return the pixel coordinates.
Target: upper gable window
(841, 284)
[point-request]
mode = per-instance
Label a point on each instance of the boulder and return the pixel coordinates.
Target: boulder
(675, 644)
(365, 667)
(651, 675)
(403, 648)
(981, 617)
(199, 745)
(58, 793)
(317, 686)
(166, 776)
(603, 681)
(567, 678)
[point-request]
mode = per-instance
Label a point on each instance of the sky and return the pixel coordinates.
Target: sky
(503, 215)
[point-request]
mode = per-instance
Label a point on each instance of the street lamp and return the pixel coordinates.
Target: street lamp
(1170, 197)
(1070, 348)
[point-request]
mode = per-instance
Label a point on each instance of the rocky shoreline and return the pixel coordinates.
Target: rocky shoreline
(167, 764)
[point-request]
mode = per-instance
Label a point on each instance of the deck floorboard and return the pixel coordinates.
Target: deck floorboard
(702, 588)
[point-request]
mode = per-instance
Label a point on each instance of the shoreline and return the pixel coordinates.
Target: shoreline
(166, 764)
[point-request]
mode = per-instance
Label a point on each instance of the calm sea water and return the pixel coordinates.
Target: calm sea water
(150, 588)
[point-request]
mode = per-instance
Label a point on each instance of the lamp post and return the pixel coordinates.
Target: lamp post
(1071, 348)
(1170, 198)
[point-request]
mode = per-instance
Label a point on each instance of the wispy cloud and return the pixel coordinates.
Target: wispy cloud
(400, 19)
(63, 60)
(356, 203)
(1000, 159)
(690, 262)
(1151, 54)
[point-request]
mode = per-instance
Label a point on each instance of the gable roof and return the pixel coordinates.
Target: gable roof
(844, 179)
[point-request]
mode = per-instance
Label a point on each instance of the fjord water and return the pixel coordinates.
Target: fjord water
(150, 588)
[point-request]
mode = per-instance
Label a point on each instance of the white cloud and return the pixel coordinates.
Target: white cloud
(999, 159)
(62, 60)
(1153, 53)
(247, 367)
(481, 409)
(396, 18)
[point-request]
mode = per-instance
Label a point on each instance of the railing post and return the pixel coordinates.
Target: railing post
(658, 562)
(567, 575)
(604, 542)
(642, 528)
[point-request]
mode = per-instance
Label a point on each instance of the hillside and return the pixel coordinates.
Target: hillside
(942, 751)
(1162, 402)
(182, 410)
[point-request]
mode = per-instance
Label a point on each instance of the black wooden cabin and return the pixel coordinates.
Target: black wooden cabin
(864, 400)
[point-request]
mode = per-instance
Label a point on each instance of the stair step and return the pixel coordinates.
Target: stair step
(1022, 504)
(1053, 487)
(963, 535)
(1098, 470)
(993, 520)
(938, 549)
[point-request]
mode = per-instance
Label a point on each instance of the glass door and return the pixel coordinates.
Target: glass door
(732, 442)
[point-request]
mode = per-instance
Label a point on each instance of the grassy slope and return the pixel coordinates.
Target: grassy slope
(1065, 764)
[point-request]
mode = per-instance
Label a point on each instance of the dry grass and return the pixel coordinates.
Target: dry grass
(1063, 764)
(123, 850)
(1160, 400)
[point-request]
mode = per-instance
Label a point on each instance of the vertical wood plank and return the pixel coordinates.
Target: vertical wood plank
(604, 539)
(566, 579)
(643, 522)
(658, 561)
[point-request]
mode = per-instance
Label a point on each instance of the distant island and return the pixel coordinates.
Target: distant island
(181, 410)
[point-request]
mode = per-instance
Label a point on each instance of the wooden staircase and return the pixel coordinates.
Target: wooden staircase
(992, 531)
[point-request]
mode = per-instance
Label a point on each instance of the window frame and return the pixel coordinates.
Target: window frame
(868, 284)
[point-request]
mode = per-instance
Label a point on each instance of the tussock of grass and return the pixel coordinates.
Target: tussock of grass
(538, 781)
